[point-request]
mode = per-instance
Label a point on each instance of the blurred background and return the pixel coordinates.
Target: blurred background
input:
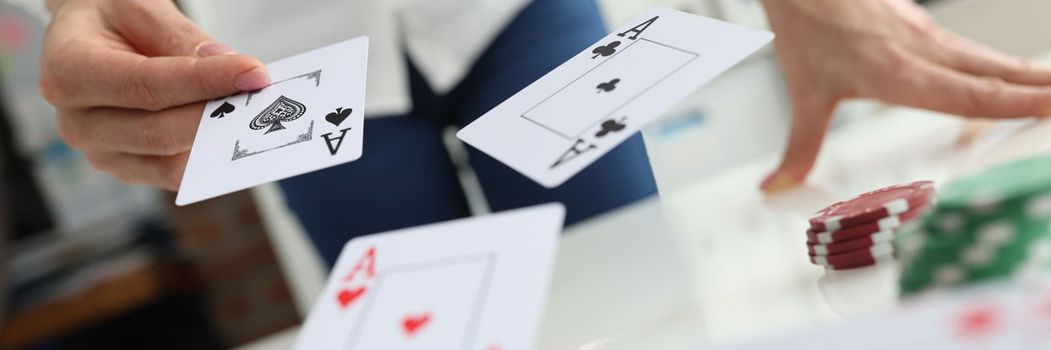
(88, 263)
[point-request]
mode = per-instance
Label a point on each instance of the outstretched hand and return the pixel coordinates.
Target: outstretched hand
(890, 50)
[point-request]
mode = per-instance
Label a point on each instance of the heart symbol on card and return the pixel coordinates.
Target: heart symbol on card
(221, 112)
(339, 115)
(346, 297)
(414, 323)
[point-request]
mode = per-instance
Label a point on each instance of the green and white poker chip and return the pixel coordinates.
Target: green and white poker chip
(992, 225)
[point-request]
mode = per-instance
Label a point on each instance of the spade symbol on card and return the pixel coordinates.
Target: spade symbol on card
(413, 324)
(605, 50)
(610, 126)
(339, 115)
(220, 112)
(346, 297)
(283, 110)
(608, 86)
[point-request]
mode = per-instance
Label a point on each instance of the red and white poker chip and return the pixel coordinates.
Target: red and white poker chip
(883, 224)
(871, 206)
(862, 262)
(863, 242)
(860, 257)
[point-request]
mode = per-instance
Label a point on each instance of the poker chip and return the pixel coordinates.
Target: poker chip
(871, 206)
(861, 230)
(855, 257)
(862, 262)
(863, 242)
(991, 225)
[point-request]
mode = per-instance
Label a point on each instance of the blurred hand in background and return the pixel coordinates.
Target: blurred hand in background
(128, 78)
(893, 51)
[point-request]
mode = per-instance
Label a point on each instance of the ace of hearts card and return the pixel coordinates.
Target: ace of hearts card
(477, 283)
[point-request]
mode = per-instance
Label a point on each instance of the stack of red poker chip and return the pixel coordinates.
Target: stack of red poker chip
(860, 232)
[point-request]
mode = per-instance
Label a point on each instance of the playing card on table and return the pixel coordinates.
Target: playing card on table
(566, 120)
(476, 283)
(310, 118)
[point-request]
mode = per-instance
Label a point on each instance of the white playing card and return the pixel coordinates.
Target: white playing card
(434, 305)
(566, 120)
(310, 118)
(476, 283)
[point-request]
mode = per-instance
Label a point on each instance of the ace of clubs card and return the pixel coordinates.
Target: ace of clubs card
(566, 120)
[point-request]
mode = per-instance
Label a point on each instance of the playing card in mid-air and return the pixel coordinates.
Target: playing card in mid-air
(476, 283)
(308, 119)
(567, 119)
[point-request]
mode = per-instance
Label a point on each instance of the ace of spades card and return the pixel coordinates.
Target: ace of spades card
(310, 118)
(476, 283)
(566, 120)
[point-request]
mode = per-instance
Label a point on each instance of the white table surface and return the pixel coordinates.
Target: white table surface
(714, 261)
(718, 261)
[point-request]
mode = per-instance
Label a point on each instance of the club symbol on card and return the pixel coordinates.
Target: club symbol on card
(413, 324)
(339, 115)
(605, 50)
(220, 112)
(611, 126)
(283, 110)
(347, 296)
(608, 86)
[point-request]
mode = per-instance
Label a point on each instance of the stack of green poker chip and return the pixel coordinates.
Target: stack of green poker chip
(992, 225)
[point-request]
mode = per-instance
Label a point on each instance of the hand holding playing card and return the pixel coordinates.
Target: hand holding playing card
(310, 118)
(126, 77)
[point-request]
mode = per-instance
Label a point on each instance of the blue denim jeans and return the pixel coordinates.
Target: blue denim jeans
(406, 178)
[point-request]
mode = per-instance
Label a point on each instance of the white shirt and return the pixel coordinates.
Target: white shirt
(442, 37)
